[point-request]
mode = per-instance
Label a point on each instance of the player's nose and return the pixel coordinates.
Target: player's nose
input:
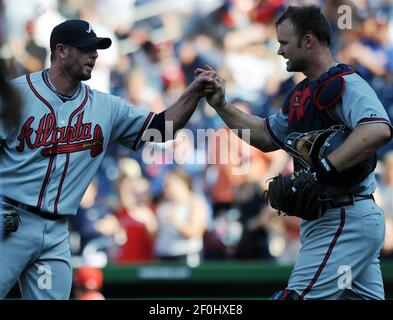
(94, 54)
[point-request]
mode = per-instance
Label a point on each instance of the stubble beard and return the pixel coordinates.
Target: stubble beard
(298, 65)
(77, 73)
(83, 74)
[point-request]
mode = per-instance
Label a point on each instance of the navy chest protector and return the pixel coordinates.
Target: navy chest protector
(307, 104)
(307, 108)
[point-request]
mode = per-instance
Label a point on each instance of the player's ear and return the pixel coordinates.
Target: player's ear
(308, 40)
(61, 50)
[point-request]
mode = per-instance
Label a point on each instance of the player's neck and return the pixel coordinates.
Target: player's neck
(62, 83)
(320, 64)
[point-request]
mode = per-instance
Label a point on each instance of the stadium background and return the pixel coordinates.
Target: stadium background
(247, 250)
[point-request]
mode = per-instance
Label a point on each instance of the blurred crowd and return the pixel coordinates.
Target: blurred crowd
(193, 209)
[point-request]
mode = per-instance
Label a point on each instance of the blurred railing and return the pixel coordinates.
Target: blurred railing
(209, 280)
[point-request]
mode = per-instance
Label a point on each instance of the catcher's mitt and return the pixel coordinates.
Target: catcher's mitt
(298, 194)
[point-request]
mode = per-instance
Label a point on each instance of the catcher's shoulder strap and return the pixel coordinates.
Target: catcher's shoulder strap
(308, 101)
(331, 86)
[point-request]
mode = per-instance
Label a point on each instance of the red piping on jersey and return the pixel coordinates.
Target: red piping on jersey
(269, 130)
(142, 130)
(38, 95)
(41, 195)
(45, 182)
(372, 119)
(68, 155)
(328, 253)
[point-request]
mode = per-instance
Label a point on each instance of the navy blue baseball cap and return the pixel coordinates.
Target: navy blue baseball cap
(77, 33)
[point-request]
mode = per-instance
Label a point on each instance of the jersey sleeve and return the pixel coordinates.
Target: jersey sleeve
(277, 127)
(360, 104)
(130, 123)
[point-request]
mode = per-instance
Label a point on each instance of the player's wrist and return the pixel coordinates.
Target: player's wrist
(217, 103)
(220, 105)
(325, 171)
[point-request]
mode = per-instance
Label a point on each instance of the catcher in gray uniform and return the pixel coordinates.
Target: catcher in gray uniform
(342, 228)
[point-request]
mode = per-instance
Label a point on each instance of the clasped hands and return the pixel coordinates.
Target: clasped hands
(211, 85)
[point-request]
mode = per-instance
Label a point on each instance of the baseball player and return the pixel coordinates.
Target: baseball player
(341, 241)
(48, 160)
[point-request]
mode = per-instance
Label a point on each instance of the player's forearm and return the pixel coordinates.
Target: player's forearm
(249, 127)
(364, 141)
(180, 112)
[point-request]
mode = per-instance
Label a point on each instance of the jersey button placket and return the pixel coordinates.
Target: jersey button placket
(60, 158)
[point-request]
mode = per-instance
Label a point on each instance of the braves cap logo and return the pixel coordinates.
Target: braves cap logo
(90, 29)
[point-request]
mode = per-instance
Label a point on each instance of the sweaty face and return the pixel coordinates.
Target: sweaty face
(290, 47)
(80, 62)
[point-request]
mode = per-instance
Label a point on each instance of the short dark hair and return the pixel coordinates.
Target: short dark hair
(307, 19)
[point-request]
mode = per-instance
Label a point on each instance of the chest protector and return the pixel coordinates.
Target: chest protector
(308, 102)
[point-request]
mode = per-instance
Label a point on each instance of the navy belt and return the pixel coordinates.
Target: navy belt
(35, 210)
(351, 200)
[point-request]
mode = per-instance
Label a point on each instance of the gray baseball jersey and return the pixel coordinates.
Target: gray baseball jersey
(339, 258)
(51, 158)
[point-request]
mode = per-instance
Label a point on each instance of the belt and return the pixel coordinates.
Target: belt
(35, 210)
(351, 200)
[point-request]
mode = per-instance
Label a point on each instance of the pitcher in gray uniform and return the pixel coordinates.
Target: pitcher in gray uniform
(49, 159)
